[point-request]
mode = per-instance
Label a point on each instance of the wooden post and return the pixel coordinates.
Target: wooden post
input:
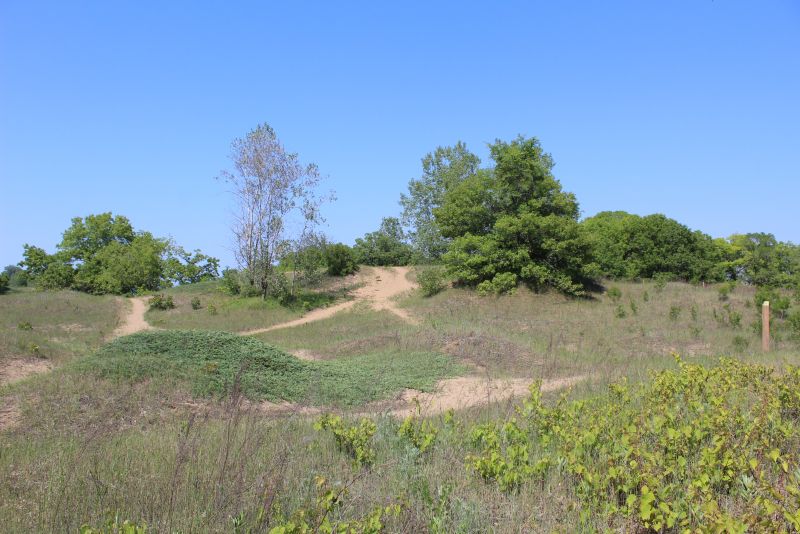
(765, 326)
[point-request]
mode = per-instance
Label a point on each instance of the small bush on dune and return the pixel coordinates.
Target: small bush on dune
(431, 281)
(614, 293)
(500, 284)
(161, 302)
(196, 305)
(340, 260)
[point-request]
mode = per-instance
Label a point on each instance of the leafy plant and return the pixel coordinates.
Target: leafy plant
(355, 440)
(675, 312)
(340, 260)
(25, 325)
(614, 293)
(196, 305)
(432, 280)
(420, 433)
(634, 307)
(620, 312)
(161, 302)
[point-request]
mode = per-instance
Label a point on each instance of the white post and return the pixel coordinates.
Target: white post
(765, 326)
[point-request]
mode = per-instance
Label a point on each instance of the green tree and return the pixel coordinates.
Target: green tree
(17, 277)
(514, 223)
(87, 236)
(4, 284)
(124, 268)
(182, 267)
(386, 246)
(442, 170)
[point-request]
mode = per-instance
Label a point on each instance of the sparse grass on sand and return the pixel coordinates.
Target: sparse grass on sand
(56, 326)
(223, 312)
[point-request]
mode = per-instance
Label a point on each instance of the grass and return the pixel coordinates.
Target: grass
(208, 363)
(224, 312)
(58, 326)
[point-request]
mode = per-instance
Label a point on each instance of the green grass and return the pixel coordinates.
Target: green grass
(221, 311)
(63, 324)
(209, 363)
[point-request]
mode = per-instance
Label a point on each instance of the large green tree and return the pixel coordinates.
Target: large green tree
(514, 223)
(442, 170)
(103, 254)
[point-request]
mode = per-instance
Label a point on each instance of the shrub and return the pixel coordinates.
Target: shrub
(634, 307)
(212, 310)
(355, 441)
(740, 343)
(161, 302)
(646, 296)
(620, 313)
(661, 280)
(231, 281)
(501, 283)
(25, 325)
(3, 283)
(614, 293)
(340, 260)
(675, 312)
(196, 303)
(432, 281)
(725, 290)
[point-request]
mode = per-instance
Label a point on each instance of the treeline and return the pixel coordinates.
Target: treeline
(103, 254)
(508, 223)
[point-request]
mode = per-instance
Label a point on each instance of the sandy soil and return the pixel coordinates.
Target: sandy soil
(133, 320)
(381, 285)
(468, 391)
(15, 370)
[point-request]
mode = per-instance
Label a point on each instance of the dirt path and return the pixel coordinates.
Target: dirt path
(381, 285)
(133, 321)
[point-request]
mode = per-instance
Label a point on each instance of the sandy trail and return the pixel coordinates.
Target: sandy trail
(381, 285)
(133, 321)
(469, 391)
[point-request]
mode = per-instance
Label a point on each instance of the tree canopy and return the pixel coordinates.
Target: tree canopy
(513, 223)
(103, 254)
(386, 246)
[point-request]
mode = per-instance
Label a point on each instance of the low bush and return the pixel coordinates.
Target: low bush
(355, 441)
(161, 302)
(432, 280)
(614, 293)
(3, 283)
(196, 305)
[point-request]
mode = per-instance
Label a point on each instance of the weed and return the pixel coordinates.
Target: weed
(25, 326)
(355, 441)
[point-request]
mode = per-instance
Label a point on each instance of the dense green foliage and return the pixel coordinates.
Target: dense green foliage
(630, 246)
(384, 247)
(17, 277)
(513, 223)
(340, 260)
(432, 280)
(103, 254)
(695, 447)
(442, 170)
(210, 362)
(3, 282)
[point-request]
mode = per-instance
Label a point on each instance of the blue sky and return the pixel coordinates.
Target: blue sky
(688, 108)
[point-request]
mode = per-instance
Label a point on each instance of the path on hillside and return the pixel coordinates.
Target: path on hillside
(381, 285)
(133, 321)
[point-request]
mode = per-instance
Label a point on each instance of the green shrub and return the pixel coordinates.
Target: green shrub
(500, 284)
(675, 312)
(340, 260)
(634, 307)
(355, 441)
(646, 296)
(661, 279)
(161, 302)
(725, 290)
(614, 293)
(25, 325)
(619, 312)
(231, 282)
(3, 283)
(431, 281)
(740, 343)
(196, 305)
(212, 310)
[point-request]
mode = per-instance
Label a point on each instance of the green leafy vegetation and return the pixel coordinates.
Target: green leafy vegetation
(209, 363)
(355, 441)
(161, 302)
(340, 260)
(385, 247)
(103, 254)
(432, 280)
(513, 223)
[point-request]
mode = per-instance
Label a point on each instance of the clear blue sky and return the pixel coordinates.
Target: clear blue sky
(688, 108)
